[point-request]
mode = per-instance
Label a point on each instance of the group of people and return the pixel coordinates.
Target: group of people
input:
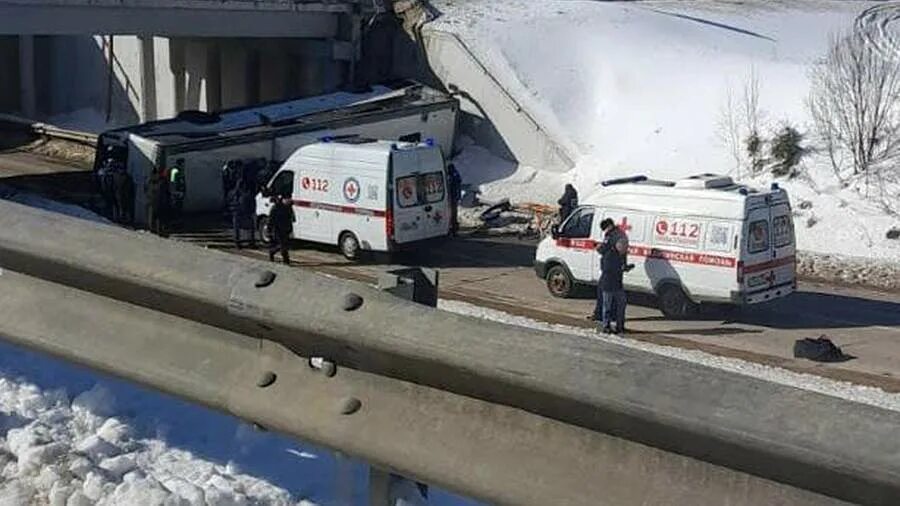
(609, 312)
(165, 193)
(241, 182)
(117, 189)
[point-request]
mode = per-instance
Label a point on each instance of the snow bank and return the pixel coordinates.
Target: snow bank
(644, 88)
(69, 436)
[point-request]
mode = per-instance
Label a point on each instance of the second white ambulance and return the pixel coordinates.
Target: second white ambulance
(700, 239)
(363, 194)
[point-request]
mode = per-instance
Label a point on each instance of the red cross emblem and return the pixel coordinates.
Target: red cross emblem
(351, 189)
(624, 225)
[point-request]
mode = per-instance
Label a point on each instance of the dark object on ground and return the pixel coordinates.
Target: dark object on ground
(494, 212)
(805, 204)
(893, 233)
(820, 349)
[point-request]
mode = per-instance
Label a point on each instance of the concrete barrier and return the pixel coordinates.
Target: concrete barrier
(804, 440)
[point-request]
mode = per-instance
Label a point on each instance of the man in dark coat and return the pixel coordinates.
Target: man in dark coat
(454, 183)
(281, 224)
(567, 203)
(611, 291)
(124, 188)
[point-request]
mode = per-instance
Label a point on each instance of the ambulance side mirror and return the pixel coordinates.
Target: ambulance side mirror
(554, 231)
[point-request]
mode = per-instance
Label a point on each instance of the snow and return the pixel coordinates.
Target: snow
(857, 393)
(642, 88)
(70, 436)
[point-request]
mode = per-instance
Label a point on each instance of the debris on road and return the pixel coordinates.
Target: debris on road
(820, 349)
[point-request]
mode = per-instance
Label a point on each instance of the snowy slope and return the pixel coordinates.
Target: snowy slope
(644, 87)
(72, 436)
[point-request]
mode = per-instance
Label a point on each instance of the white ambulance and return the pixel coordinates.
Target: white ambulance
(700, 239)
(363, 194)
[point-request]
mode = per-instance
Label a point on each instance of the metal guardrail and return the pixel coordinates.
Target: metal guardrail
(506, 414)
(47, 130)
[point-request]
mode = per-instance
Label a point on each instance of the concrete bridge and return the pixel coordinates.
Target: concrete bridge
(137, 60)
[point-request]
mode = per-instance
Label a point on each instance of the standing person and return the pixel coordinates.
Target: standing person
(567, 203)
(164, 203)
(248, 207)
(611, 299)
(151, 195)
(124, 189)
(105, 182)
(177, 189)
(281, 225)
(234, 208)
(454, 181)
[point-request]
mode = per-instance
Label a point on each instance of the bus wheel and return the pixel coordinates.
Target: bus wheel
(349, 245)
(559, 282)
(262, 223)
(674, 303)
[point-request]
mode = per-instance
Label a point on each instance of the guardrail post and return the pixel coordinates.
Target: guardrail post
(418, 285)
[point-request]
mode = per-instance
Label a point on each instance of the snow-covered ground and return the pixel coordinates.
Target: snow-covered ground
(646, 88)
(70, 436)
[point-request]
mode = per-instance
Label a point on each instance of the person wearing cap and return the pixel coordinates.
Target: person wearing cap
(611, 300)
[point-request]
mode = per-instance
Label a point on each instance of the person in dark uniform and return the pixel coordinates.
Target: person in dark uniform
(124, 189)
(164, 203)
(177, 189)
(151, 200)
(105, 182)
(567, 203)
(611, 299)
(281, 225)
(454, 182)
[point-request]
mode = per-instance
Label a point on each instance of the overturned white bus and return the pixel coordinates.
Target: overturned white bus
(203, 142)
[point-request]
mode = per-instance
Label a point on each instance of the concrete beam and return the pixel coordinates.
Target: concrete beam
(27, 91)
(39, 19)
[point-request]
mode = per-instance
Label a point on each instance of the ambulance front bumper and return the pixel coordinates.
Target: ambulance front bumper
(540, 269)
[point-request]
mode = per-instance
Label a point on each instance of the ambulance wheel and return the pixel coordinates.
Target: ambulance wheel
(674, 303)
(262, 223)
(560, 282)
(349, 245)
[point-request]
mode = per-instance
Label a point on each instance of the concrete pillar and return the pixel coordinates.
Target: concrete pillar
(177, 65)
(273, 75)
(235, 70)
(27, 90)
(213, 76)
(148, 78)
(196, 64)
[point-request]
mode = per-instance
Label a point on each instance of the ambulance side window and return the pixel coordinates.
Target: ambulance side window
(283, 184)
(579, 223)
(758, 241)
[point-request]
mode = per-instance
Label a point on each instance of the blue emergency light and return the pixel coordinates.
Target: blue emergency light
(327, 138)
(429, 142)
(775, 187)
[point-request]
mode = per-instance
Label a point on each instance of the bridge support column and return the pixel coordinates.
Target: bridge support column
(27, 92)
(148, 78)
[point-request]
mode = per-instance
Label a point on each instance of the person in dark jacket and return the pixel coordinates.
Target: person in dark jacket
(567, 203)
(242, 205)
(124, 189)
(454, 182)
(281, 224)
(611, 291)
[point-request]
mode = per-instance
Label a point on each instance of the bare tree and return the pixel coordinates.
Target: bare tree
(854, 104)
(752, 116)
(729, 130)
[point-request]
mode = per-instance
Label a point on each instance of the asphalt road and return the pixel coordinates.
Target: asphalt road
(497, 273)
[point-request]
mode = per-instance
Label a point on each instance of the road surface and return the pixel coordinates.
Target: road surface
(497, 273)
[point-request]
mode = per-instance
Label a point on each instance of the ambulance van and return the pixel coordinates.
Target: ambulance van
(703, 239)
(363, 194)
